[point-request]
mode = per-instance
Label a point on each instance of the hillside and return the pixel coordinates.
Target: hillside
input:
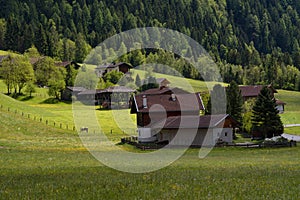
(252, 42)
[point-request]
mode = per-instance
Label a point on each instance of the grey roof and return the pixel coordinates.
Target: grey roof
(197, 122)
(76, 89)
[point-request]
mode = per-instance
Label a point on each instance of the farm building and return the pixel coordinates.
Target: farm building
(68, 92)
(204, 130)
(161, 115)
(112, 97)
(252, 92)
(120, 67)
(67, 64)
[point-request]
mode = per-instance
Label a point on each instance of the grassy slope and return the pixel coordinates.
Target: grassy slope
(292, 109)
(38, 161)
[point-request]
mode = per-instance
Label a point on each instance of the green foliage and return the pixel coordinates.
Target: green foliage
(234, 101)
(86, 78)
(113, 76)
(138, 81)
(30, 88)
(43, 70)
(32, 52)
(217, 101)
(57, 82)
(265, 118)
(149, 83)
(16, 71)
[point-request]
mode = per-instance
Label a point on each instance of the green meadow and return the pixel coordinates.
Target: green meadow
(43, 162)
(39, 161)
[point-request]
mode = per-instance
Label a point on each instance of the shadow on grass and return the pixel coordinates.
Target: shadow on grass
(26, 98)
(50, 101)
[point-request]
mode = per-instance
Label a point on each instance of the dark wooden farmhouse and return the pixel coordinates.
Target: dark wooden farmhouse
(252, 92)
(70, 92)
(67, 64)
(164, 116)
(112, 97)
(120, 67)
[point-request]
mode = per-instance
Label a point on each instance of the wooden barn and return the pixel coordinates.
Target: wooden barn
(120, 67)
(112, 97)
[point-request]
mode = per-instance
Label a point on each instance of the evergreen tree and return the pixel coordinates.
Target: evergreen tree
(265, 118)
(217, 101)
(138, 81)
(234, 101)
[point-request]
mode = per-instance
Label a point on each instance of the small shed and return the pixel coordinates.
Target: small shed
(69, 91)
(111, 97)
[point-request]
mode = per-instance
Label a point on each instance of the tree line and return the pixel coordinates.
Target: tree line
(244, 37)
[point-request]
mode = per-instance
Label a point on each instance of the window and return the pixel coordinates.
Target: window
(226, 134)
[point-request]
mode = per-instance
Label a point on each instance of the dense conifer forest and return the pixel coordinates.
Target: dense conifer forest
(253, 42)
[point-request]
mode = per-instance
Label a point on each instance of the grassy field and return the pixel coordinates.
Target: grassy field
(292, 108)
(41, 162)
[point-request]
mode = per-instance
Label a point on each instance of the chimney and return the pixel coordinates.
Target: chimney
(173, 97)
(145, 101)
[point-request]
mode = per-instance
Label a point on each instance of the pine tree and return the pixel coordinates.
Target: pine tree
(234, 101)
(217, 101)
(265, 118)
(138, 81)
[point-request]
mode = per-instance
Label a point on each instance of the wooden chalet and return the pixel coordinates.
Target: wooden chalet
(120, 67)
(252, 91)
(162, 114)
(66, 64)
(112, 97)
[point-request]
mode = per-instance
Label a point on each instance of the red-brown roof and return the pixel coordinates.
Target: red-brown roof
(253, 90)
(182, 102)
(193, 122)
(113, 65)
(278, 102)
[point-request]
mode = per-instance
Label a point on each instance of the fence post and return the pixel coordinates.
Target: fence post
(73, 128)
(46, 122)
(60, 125)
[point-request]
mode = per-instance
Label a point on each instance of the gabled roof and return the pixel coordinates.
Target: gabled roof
(182, 103)
(164, 90)
(76, 89)
(160, 80)
(278, 102)
(66, 63)
(113, 65)
(193, 122)
(254, 90)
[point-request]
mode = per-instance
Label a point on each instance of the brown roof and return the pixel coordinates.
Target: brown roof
(253, 90)
(112, 65)
(182, 102)
(160, 80)
(164, 90)
(199, 122)
(278, 102)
